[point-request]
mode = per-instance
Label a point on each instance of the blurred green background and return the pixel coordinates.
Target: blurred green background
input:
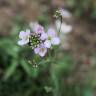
(73, 73)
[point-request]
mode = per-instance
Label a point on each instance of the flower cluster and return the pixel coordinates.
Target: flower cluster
(62, 13)
(38, 39)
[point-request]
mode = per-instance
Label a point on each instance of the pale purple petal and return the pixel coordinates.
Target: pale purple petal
(38, 29)
(43, 50)
(51, 32)
(42, 54)
(36, 50)
(22, 34)
(23, 42)
(43, 36)
(55, 41)
(47, 43)
(27, 32)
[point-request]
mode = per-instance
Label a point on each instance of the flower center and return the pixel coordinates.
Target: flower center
(34, 40)
(42, 49)
(49, 38)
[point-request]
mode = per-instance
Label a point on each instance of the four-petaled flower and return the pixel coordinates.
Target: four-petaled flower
(24, 36)
(51, 38)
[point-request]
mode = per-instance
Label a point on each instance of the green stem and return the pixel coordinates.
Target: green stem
(60, 26)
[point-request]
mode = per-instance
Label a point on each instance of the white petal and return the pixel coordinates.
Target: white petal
(23, 42)
(55, 41)
(65, 13)
(66, 28)
(58, 23)
(32, 25)
(47, 43)
(43, 36)
(27, 32)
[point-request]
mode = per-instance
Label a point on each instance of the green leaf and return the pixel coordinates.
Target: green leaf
(88, 92)
(9, 72)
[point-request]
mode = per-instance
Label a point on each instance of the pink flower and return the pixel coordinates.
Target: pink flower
(51, 38)
(24, 36)
(41, 50)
